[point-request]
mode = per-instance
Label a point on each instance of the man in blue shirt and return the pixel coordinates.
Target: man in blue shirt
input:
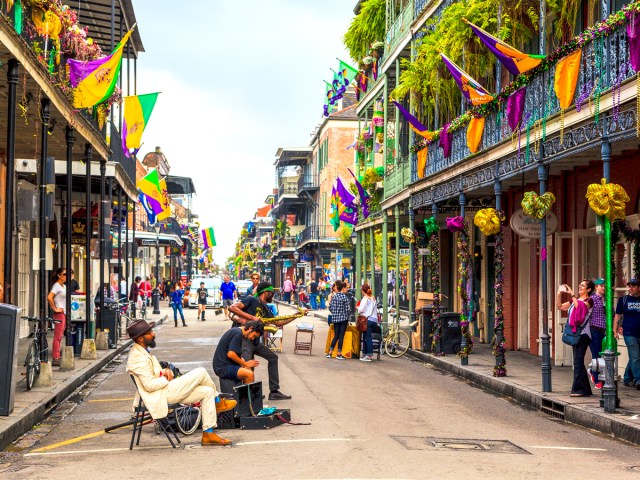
(229, 294)
(629, 307)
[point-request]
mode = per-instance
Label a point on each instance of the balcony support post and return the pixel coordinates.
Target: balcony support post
(357, 276)
(464, 355)
(364, 255)
(69, 224)
(12, 81)
(396, 293)
(545, 339)
(88, 156)
(385, 265)
(411, 283)
(43, 223)
(372, 243)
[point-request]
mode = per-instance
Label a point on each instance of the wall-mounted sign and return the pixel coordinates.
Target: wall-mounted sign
(528, 227)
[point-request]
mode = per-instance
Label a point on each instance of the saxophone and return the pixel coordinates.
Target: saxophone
(272, 324)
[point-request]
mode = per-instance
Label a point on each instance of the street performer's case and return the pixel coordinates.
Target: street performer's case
(265, 422)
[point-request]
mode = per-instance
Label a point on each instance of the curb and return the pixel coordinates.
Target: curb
(578, 415)
(39, 412)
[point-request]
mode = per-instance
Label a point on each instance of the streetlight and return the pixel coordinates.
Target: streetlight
(156, 290)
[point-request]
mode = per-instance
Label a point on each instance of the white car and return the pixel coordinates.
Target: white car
(242, 286)
(212, 284)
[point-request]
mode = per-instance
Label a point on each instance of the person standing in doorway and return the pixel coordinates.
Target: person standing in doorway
(287, 288)
(57, 301)
(313, 294)
(176, 303)
(597, 327)
(229, 295)
(627, 323)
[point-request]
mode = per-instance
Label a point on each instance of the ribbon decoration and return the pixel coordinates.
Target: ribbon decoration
(608, 199)
(422, 162)
(455, 224)
(488, 221)
(407, 235)
(537, 206)
(474, 133)
(431, 226)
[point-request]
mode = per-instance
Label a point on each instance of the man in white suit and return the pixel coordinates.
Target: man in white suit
(158, 388)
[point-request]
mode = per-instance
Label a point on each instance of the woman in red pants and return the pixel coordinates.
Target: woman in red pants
(58, 300)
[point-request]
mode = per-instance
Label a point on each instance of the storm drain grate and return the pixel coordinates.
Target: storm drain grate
(459, 444)
(552, 408)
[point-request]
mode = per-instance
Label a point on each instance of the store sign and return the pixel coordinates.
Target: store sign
(78, 231)
(528, 227)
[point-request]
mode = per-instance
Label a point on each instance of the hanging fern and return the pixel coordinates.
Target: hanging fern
(366, 27)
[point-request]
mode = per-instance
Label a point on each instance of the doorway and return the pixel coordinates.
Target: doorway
(524, 271)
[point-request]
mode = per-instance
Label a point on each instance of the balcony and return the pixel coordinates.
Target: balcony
(539, 91)
(308, 183)
(400, 28)
(288, 188)
(397, 178)
(286, 244)
(316, 233)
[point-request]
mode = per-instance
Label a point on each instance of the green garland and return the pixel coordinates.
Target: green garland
(500, 370)
(598, 31)
(436, 332)
(463, 258)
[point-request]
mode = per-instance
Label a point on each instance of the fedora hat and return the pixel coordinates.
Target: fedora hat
(139, 327)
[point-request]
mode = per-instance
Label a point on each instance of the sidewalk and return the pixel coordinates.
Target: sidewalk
(32, 406)
(524, 385)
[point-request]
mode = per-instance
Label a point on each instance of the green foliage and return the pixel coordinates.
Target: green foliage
(281, 229)
(427, 79)
(366, 28)
(344, 237)
(380, 172)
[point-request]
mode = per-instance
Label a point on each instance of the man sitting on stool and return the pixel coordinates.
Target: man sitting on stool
(158, 388)
(251, 308)
(227, 362)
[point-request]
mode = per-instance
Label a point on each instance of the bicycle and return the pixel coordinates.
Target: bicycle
(37, 349)
(124, 308)
(396, 341)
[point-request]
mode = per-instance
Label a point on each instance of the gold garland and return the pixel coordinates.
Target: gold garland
(488, 221)
(608, 199)
(537, 206)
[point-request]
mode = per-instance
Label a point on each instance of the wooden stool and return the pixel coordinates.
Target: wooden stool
(303, 343)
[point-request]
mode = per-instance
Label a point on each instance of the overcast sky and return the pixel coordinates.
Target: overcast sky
(238, 79)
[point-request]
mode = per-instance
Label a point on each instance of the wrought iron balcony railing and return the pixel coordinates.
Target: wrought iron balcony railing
(397, 178)
(308, 182)
(607, 72)
(315, 233)
(117, 155)
(288, 188)
(400, 27)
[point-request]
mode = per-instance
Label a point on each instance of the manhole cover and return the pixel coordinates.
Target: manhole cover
(459, 444)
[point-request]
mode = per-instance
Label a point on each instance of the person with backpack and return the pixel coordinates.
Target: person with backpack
(627, 323)
(579, 317)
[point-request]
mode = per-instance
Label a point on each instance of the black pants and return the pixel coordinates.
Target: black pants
(581, 383)
(339, 329)
(249, 349)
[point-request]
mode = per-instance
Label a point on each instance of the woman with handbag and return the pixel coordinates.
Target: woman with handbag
(368, 310)
(578, 320)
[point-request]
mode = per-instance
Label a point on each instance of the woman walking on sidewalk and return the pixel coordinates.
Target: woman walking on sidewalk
(579, 315)
(57, 301)
(368, 308)
(176, 302)
(339, 309)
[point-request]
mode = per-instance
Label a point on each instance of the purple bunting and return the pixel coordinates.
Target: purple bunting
(346, 206)
(78, 70)
(455, 224)
(633, 32)
(515, 108)
(446, 138)
(364, 196)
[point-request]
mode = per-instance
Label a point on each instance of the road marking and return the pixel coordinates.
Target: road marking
(572, 448)
(70, 441)
(300, 440)
(100, 450)
(110, 400)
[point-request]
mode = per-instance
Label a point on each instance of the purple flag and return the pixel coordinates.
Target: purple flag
(472, 90)
(346, 207)
(446, 139)
(633, 32)
(515, 107)
(364, 196)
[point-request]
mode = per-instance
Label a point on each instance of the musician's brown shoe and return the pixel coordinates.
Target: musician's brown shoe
(225, 405)
(211, 439)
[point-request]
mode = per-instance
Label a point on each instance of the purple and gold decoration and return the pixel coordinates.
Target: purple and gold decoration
(457, 224)
(432, 230)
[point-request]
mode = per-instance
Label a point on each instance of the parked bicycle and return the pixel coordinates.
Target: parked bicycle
(395, 341)
(38, 349)
(125, 316)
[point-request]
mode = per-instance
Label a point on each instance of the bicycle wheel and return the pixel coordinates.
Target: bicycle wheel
(32, 363)
(188, 418)
(397, 344)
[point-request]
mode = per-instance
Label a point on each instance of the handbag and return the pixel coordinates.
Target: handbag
(362, 321)
(569, 337)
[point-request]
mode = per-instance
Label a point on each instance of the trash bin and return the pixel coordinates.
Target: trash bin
(426, 318)
(451, 334)
(9, 329)
(77, 337)
(107, 320)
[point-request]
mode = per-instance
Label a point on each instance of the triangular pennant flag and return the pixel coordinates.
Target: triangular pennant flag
(414, 123)
(149, 186)
(566, 78)
(513, 60)
(472, 90)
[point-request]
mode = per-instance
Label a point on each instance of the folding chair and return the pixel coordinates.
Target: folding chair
(274, 340)
(305, 342)
(141, 414)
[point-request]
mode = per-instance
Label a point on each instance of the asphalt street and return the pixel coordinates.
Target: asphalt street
(394, 418)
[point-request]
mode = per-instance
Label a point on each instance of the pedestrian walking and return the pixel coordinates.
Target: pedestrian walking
(579, 313)
(627, 323)
(176, 303)
(57, 301)
(322, 290)
(287, 288)
(229, 294)
(313, 294)
(368, 308)
(202, 294)
(339, 309)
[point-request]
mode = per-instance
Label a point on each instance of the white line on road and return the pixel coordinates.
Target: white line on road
(572, 448)
(300, 440)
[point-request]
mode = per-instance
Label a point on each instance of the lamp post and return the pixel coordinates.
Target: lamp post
(156, 292)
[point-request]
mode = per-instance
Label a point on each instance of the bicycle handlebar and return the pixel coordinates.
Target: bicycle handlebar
(38, 319)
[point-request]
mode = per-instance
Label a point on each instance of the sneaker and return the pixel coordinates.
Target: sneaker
(592, 376)
(365, 359)
(329, 355)
(599, 385)
(278, 395)
(630, 384)
(340, 357)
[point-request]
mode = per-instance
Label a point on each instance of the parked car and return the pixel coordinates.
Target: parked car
(212, 284)
(242, 286)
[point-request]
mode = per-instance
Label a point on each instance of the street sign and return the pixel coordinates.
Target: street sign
(148, 242)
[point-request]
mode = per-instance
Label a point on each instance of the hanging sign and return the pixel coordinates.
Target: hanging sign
(529, 227)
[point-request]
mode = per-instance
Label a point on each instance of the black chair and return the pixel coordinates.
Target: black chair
(141, 414)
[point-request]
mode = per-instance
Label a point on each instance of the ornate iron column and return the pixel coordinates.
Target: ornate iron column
(411, 284)
(364, 257)
(385, 266)
(43, 224)
(500, 369)
(464, 358)
(119, 226)
(545, 339)
(69, 226)
(357, 280)
(12, 80)
(396, 293)
(101, 239)
(372, 243)
(126, 245)
(88, 155)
